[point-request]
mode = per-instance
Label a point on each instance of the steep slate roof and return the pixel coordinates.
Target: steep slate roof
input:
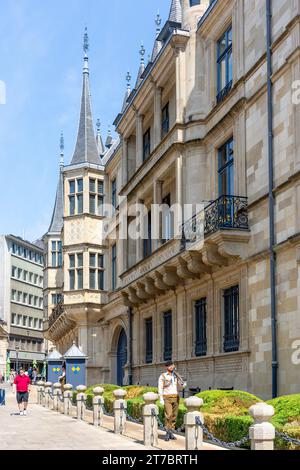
(86, 150)
(56, 224)
(175, 11)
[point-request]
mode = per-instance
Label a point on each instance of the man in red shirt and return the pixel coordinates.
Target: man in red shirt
(22, 384)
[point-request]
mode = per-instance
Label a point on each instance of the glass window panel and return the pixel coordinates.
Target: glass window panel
(72, 205)
(80, 260)
(92, 260)
(80, 203)
(72, 280)
(72, 261)
(92, 186)
(80, 278)
(72, 187)
(100, 187)
(92, 279)
(80, 186)
(92, 204)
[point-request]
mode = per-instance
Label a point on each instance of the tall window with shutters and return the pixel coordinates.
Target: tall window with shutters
(149, 341)
(200, 325)
(231, 319)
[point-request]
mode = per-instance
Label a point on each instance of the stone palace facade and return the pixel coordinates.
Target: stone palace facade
(211, 120)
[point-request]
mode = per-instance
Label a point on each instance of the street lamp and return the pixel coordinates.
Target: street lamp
(17, 358)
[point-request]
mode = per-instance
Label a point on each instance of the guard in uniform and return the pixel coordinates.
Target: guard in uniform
(169, 385)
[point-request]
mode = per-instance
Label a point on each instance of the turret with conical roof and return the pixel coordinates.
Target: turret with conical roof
(86, 150)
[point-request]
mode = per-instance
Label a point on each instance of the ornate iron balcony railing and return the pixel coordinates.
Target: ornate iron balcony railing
(223, 93)
(226, 213)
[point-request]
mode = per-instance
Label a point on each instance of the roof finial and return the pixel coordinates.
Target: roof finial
(142, 53)
(98, 125)
(158, 23)
(86, 47)
(128, 80)
(86, 42)
(62, 149)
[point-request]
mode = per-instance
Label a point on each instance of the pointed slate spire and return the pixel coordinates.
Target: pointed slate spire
(157, 45)
(86, 148)
(142, 66)
(101, 149)
(175, 14)
(56, 224)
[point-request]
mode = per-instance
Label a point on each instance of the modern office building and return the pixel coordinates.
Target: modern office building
(210, 120)
(21, 300)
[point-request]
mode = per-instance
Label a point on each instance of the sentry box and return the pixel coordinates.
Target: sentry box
(55, 363)
(75, 366)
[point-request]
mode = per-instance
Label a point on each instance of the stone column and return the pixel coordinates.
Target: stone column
(150, 421)
(179, 212)
(40, 390)
(193, 432)
(98, 402)
(68, 392)
(140, 241)
(180, 83)
(124, 161)
(56, 392)
(120, 407)
(48, 390)
(139, 140)
(81, 397)
(157, 115)
(157, 200)
(262, 433)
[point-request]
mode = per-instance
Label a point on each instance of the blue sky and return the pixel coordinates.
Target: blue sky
(41, 65)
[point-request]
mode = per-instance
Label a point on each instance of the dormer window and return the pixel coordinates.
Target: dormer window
(193, 3)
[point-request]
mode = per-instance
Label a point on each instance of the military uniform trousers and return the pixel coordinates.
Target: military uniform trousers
(171, 410)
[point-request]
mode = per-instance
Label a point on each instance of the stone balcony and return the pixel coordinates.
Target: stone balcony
(215, 238)
(58, 324)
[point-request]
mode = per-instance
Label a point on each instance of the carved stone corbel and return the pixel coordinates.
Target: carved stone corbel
(212, 257)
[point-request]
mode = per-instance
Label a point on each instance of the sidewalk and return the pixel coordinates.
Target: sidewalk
(49, 430)
(43, 429)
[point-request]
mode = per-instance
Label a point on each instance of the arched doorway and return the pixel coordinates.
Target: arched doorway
(121, 357)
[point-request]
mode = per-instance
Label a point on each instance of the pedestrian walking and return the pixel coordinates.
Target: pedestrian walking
(22, 387)
(169, 385)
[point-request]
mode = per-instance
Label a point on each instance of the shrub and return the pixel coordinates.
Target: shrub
(287, 419)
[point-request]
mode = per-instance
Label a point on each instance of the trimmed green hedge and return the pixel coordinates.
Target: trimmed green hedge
(287, 419)
(226, 413)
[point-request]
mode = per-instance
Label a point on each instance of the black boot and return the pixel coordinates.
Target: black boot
(167, 436)
(172, 436)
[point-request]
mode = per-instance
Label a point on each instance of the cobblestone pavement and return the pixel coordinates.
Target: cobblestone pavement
(43, 429)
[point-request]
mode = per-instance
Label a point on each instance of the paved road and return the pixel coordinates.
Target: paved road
(43, 429)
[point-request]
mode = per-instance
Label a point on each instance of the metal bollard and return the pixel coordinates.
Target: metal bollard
(40, 389)
(81, 397)
(150, 412)
(120, 407)
(56, 392)
(193, 432)
(48, 389)
(262, 433)
(68, 392)
(98, 401)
